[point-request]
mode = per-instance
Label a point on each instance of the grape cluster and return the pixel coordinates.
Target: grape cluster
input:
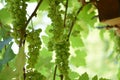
(34, 46)
(34, 75)
(17, 9)
(62, 50)
(59, 41)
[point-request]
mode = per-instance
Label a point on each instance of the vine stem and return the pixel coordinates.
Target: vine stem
(61, 77)
(66, 7)
(34, 12)
(27, 22)
(24, 75)
(54, 77)
(74, 20)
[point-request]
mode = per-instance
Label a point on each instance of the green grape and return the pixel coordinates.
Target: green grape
(17, 9)
(50, 46)
(34, 46)
(62, 50)
(59, 41)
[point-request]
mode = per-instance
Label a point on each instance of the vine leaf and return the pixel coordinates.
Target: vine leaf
(76, 42)
(95, 77)
(8, 55)
(4, 31)
(74, 4)
(79, 59)
(44, 63)
(5, 42)
(20, 62)
(45, 40)
(76, 30)
(47, 31)
(103, 79)
(44, 5)
(73, 75)
(84, 76)
(118, 74)
(86, 15)
(101, 33)
(6, 74)
(5, 16)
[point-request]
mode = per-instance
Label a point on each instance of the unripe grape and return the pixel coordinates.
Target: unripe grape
(18, 16)
(34, 46)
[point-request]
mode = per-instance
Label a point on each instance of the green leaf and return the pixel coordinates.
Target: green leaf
(47, 31)
(74, 4)
(112, 34)
(103, 79)
(5, 16)
(5, 42)
(76, 42)
(73, 75)
(102, 34)
(4, 31)
(8, 55)
(45, 53)
(20, 62)
(6, 74)
(44, 63)
(86, 16)
(44, 5)
(84, 76)
(95, 77)
(79, 59)
(76, 30)
(45, 39)
(118, 74)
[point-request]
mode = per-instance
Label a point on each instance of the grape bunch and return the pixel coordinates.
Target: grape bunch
(62, 55)
(34, 75)
(59, 41)
(34, 46)
(17, 9)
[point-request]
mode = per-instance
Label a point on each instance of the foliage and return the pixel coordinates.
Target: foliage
(49, 54)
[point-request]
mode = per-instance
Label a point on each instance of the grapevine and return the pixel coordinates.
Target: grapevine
(59, 41)
(65, 23)
(17, 8)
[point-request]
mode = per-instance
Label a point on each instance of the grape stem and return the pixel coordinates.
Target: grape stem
(61, 77)
(24, 75)
(34, 12)
(66, 7)
(54, 77)
(73, 22)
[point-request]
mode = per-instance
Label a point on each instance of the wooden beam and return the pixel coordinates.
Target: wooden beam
(112, 22)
